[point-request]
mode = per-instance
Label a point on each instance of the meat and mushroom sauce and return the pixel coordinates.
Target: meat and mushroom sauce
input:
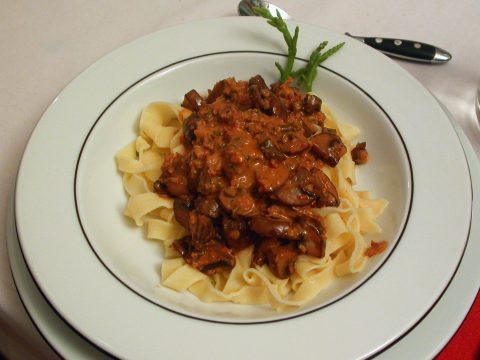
(252, 175)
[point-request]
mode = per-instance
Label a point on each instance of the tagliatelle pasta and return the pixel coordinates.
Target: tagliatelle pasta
(349, 227)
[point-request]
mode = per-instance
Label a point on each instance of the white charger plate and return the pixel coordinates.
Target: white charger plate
(418, 343)
(123, 317)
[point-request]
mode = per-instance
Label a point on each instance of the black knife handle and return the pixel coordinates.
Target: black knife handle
(407, 49)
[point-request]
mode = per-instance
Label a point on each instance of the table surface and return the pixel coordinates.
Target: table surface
(45, 44)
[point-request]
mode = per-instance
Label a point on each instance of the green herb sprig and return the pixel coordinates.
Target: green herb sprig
(305, 75)
(278, 23)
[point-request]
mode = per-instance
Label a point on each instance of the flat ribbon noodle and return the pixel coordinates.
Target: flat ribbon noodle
(346, 225)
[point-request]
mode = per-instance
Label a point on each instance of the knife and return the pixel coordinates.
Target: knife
(406, 49)
(402, 49)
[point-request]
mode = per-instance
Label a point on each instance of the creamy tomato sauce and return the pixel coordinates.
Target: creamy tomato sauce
(252, 174)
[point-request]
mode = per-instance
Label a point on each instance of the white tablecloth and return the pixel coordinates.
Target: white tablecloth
(45, 44)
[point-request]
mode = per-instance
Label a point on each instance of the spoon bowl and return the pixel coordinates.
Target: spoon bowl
(245, 8)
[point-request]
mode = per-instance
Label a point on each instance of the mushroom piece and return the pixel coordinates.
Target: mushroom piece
(281, 212)
(325, 190)
(292, 194)
(259, 93)
(258, 81)
(181, 210)
(316, 185)
(216, 92)
(202, 230)
(208, 206)
(314, 237)
(310, 126)
(202, 250)
(328, 147)
(189, 126)
(192, 100)
(293, 142)
(238, 202)
(281, 260)
(212, 258)
(311, 104)
(176, 185)
(268, 226)
(236, 234)
(270, 151)
(276, 108)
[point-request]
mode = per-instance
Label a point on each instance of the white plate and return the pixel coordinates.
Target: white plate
(136, 263)
(62, 338)
(123, 316)
(452, 308)
(418, 343)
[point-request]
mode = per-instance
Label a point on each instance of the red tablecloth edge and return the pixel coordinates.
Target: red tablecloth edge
(465, 344)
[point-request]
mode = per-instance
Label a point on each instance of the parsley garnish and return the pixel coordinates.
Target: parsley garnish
(305, 75)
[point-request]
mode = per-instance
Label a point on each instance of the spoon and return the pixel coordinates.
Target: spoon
(245, 8)
(398, 48)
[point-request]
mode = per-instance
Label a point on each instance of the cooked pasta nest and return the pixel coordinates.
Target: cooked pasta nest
(349, 227)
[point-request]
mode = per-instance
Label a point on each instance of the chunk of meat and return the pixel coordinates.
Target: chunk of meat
(360, 153)
(259, 257)
(328, 147)
(183, 246)
(279, 257)
(212, 258)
